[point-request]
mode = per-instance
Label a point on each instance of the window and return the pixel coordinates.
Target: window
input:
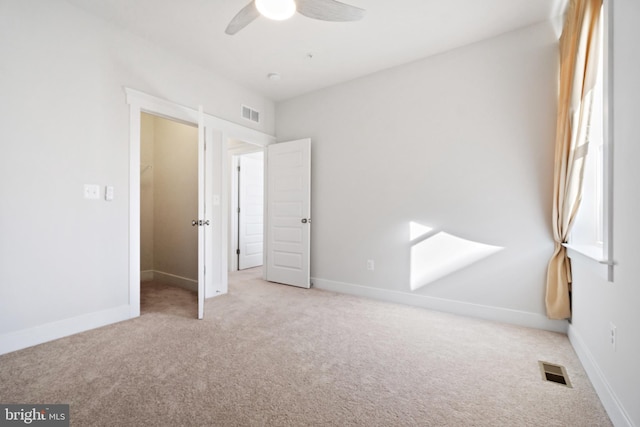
(591, 232)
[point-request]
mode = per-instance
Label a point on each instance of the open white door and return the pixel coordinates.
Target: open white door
(205, 235)
(288, 213)
(250, 210)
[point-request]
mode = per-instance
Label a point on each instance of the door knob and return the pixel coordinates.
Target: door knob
(305, 220)
(194, 223)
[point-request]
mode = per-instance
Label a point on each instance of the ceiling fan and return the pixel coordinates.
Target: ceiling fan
(325, 10)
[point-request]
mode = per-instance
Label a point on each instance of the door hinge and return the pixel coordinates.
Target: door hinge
(238, 210)
(238, 168)
(237, 251)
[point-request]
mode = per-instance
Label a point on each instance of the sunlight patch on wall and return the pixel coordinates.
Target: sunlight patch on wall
(441, 254)
(418, 230)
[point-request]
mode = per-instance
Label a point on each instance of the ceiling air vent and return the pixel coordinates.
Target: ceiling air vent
(554, 373)
(249, 113)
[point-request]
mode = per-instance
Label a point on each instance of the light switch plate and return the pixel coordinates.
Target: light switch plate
(91, 191)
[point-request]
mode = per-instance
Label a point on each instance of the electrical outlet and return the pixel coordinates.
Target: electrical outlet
(613, 332)
(371, 265)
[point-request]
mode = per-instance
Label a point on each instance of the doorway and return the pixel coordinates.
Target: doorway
(214, 135)
(168, 205)
(246, 203)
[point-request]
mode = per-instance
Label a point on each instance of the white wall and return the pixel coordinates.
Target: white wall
(65, 123)
(596, 303)
(461, 142)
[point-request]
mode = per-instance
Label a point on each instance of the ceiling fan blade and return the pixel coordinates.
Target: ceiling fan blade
(243, 18)
(329, 10)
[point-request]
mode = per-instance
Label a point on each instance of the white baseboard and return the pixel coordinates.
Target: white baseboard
(610, 401)
(172, 279)
(514, 317)
(13, 341)
(146, 275)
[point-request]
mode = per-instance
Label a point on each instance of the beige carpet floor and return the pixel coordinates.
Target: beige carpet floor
(273, 355)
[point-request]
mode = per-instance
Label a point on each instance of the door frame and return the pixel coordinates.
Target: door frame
(140, 102)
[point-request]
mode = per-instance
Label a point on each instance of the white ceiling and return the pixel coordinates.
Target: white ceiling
(392, 33)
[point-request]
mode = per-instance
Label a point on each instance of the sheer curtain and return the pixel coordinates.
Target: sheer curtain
(579, 58)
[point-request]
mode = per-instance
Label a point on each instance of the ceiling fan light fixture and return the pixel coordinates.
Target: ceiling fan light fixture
(278, 10)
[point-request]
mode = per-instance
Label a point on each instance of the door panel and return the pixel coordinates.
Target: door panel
(289, 209)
